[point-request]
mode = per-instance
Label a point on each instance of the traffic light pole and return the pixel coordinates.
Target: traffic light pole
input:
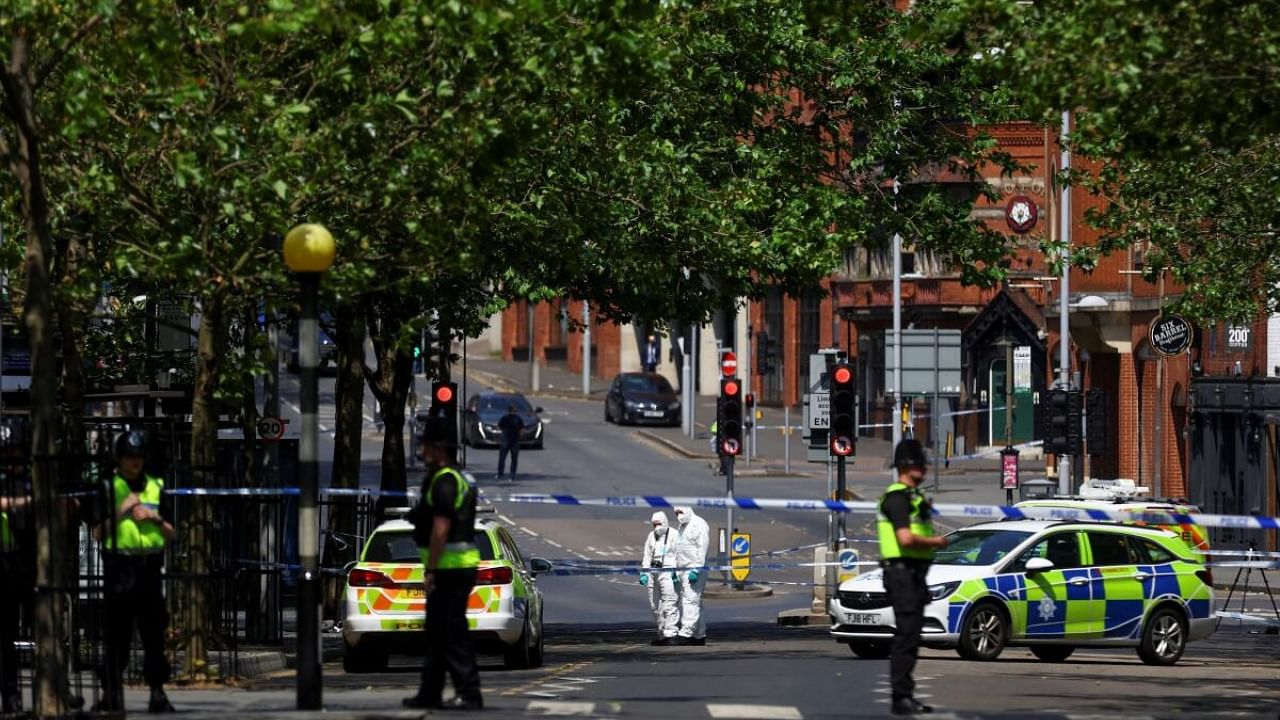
(841, 485)
(728, 482)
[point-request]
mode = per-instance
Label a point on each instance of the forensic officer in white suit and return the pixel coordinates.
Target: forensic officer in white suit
(659, 578)
(692, 537)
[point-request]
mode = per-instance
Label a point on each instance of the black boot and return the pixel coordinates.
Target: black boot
(418, 702)
(463, 705)
(910, 706)
(159, 702)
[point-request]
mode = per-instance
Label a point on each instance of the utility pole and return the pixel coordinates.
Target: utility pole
(1064, 302)
(586, 348)
(534, 380)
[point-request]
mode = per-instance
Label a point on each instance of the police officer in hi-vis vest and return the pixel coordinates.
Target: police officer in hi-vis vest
(133, 542)
(444, 528)
(907, 544)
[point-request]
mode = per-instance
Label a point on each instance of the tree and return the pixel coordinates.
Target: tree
(1176, 103)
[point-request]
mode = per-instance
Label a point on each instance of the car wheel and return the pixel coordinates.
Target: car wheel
(1052, 653)
(870, 650)
(520, 655)
(984, 633)
(363, 659)
(539, 649)
(1164, 637)
(608, 416)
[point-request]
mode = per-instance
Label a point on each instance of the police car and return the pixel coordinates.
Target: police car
(1123, 495)
(385, 605)
(1049, 585)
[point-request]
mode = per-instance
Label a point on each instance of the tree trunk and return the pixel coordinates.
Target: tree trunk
(50, 691)
(349, 431)
(204, 439)
(247, 584)
(390, 385)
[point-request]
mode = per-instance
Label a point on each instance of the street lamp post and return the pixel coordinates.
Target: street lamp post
(1064, 295)
(308, 251)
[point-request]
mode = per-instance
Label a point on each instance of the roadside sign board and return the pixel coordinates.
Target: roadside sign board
(848, 559)
(740, 556)
(820, 411)
(927, 355)
(270, 428)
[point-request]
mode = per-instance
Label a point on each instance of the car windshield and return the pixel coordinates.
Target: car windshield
(397, 546)
(979, 547)
(499, 402)
(645, 384)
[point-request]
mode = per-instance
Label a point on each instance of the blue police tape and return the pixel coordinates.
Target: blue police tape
(949, 510)
(570, 568)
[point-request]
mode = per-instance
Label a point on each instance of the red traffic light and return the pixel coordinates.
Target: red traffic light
(444, 394)
(842, 374)
(730, 388)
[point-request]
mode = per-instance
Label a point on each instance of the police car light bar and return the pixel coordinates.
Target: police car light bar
(1118, 489)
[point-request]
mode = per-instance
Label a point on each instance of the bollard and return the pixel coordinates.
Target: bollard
(786, 439)
(820, 556)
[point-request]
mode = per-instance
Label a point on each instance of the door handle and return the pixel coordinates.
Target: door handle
(1079, 581)
(1140, 577)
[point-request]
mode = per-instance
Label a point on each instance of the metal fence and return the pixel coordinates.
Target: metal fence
(229, 573)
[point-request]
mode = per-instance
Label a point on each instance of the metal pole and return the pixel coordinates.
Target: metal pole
(686, 387)
(1157, 485)
(841, 485)
(1008, 392)
(309, 671)
(1064, 303)
(728, 481)
(694, 380)
(534, 380)
(832, 535)
(937, 414)
(269, 590)
(462, 447)
(586, 348)
(786, 439)
(897, 334)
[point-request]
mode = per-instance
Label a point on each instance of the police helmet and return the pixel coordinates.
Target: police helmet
(436, 432)
(131, 442)
(909, 454)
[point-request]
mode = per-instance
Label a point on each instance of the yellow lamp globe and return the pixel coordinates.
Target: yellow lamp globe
(309, 248)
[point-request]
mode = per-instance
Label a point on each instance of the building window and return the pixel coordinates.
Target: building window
(810, 333)
(774, 327)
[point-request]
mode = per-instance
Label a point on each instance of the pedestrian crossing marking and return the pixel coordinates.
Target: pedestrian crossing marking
(560, 708)
(754, 712)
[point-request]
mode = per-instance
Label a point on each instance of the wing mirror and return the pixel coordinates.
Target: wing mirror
(1035, 565)
(538, 566)
(537, 410)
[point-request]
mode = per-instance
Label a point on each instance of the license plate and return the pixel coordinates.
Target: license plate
(653, 413)
(413, 593)
(861, 619)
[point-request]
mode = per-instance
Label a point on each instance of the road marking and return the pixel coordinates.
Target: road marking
(528, 532)
(553, 543)
(560, 708)
(754, 712)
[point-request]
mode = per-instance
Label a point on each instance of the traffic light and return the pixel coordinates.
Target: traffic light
(1062, 422)
(729, 418)
(444, 403)
(1097, 422)
(422, 352)
(844, 429)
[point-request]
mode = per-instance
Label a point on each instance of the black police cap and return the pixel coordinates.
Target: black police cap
(909, 454)
(131, 442)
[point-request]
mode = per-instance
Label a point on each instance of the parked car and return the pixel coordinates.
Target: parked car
(642, 398)
(483, 411)
(1050, 586)
(385, 605)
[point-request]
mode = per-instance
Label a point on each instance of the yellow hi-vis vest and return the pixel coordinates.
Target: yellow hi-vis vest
(6, 534)
(132, 537)
(460, 552)
(921, 525)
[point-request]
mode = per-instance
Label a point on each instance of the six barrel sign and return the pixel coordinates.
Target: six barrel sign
(1170, 335)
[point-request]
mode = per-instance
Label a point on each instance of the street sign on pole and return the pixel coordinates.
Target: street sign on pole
(740, 556)
(729, 364)
(270, 428)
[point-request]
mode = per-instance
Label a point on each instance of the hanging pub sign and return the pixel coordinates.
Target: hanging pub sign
(1170, 335)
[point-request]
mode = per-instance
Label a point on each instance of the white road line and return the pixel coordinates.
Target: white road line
(560, 708)
(528, 532)
(754, 712)
(553, 543)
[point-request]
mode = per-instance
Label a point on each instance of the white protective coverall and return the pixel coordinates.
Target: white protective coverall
(692, 538)
(659, 552)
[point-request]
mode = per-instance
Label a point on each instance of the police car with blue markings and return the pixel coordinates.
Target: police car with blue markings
(1051, 586)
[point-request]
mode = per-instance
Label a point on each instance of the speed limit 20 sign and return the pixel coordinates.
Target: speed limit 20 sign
(270, 428)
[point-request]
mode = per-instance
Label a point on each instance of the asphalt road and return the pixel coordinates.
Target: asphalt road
(599, 662)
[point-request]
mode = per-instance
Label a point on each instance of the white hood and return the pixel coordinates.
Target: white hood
(874, 581)
(660, 518)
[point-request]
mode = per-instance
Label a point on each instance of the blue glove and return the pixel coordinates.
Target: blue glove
(644, 579)
(693, 576)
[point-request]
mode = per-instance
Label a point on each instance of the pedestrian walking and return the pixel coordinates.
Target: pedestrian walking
(907, 545)
(656, 575)
(133, 544)
(652, 352)
(722, 466)
(511, 425)
(17, 557)
(691, 544)
(444, 529)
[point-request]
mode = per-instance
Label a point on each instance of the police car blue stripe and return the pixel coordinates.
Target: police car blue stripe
(1098, 514)
(1013, 513)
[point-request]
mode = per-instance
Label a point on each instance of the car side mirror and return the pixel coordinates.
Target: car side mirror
(1035, 565)
(537, 410)
(349, 566)
(537, 566)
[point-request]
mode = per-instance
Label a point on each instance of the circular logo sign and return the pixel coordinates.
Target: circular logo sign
(1170, 335)
(270, 428)
(1021, 213)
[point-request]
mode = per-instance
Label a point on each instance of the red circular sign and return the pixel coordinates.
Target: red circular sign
(842, 375)
(729, 364)
(731, 447)
(1021, 213)
(444, 394)
(841, 446)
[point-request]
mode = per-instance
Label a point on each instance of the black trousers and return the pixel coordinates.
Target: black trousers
(449, 646)
(904, 580)
(18, 574)
(134, 594)
(512, 447)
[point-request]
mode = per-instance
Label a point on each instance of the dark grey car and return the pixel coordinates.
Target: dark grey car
(483, 411)
(642, 398)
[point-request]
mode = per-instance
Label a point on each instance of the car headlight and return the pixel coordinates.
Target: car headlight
(491, 428)
(675, 405)
(941, 590)
(631, 403)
